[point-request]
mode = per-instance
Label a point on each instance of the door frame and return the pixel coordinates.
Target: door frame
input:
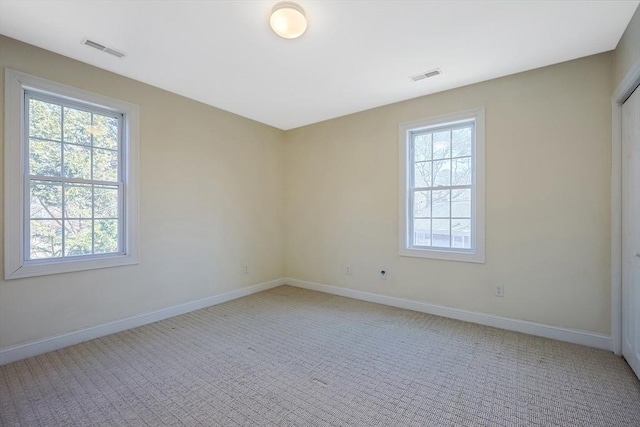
(625, 88)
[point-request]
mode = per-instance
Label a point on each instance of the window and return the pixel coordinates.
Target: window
(71, 174)
(442, 187)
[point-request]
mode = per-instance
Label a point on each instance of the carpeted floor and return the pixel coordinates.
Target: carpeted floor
(291, 357)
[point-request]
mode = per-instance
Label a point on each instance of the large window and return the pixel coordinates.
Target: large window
(70, 174)
(442, 187)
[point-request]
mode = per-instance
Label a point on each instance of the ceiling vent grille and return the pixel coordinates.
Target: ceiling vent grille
(426, 75)
(104, 49)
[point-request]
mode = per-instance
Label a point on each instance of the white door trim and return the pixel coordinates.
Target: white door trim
(626, 87)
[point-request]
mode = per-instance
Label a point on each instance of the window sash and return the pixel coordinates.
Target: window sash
(27, 220)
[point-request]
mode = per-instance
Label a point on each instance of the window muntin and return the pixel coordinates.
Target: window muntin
(74, 186)
(441, 167)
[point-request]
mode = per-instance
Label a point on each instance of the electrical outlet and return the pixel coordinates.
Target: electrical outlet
(498, 291)
(383, 274)
(347, 270)
(245, 268)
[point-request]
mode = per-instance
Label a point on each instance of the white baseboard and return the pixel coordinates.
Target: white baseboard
(532, 328)
(33, 348)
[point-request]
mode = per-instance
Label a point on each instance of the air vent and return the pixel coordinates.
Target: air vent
(103, 48)
(114, 52)
(426, 74)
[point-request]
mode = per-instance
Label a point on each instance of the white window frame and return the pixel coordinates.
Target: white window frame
(15, 264)
(477, 253)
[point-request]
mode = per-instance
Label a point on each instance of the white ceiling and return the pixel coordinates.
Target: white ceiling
(354, 56)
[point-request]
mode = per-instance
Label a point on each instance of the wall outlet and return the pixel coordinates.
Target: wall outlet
(383, 274)
(245, 268)
(498, 291)
(347, 270)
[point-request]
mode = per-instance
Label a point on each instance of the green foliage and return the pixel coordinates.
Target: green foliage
(45, 120)
(76, 126)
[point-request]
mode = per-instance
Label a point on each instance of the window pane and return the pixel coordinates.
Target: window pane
(77, 201)
(422, 147)
(105, 165)
(461, 233)
(461, 172)
(44, 120)
(106, 202)
(45, 239)
(106, 236)
(77, 237)
(45, 158)
(441, 203)
(422, 232)
(422, 204)
(461, 203)
(441, 235)
(76, 124)
(45, 200)
(461, 142)
(105, 132)
(442, 173)
(441, 145)
(77, 161)
(422, 174)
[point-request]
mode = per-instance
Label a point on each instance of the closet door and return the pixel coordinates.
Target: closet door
(631, 231)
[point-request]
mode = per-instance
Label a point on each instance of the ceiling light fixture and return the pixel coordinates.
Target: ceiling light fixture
(288, 20)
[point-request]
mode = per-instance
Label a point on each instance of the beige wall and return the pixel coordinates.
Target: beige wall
(217, 189)
(211, 195)
(548, 142)
(627, 52)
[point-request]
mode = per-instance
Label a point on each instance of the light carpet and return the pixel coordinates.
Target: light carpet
(292, 357)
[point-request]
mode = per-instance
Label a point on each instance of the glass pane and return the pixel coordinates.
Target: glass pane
(422, 232)
(76, 124)
(461, 142)
(77, 201)
(461, 233)
(441, 145)
(77, 161)
(441, 235)
(45, 200)
(44, 120)
(461, 172)
(422, 204)
(105, 132)
(441, 203)
(106, 202)
(461, 203)
(45, 239)
(442, 173)
(45, 158)
(105, 165)
(77, 237)
(422, 174)
(422, 147)
(106, 236)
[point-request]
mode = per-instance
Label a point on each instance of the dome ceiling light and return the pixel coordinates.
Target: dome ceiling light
(288, 20)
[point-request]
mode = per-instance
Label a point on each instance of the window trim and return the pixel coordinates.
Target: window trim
(15, 264)
(477, 254)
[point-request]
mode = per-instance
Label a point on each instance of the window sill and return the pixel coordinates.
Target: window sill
(474, 257)
(43, 268)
